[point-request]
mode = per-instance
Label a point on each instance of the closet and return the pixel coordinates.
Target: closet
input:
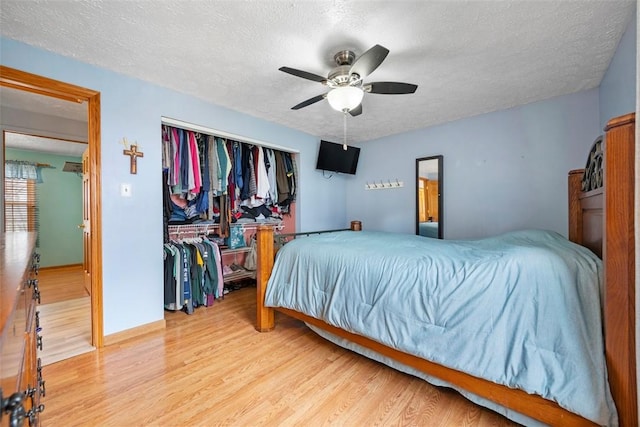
(217, 189)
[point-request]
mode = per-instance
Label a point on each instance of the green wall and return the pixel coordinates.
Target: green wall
(60, 204)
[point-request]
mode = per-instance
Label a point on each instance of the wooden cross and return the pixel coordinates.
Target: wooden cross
(134, 154)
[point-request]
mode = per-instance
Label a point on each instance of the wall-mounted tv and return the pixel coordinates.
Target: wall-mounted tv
(333, 157)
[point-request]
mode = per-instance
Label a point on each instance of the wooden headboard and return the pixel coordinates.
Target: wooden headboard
(601, 217)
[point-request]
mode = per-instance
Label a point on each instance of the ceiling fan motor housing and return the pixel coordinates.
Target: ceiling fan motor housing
(340, 76)
(344, 57)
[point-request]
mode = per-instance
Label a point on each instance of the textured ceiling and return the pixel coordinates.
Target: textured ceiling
(467, 57)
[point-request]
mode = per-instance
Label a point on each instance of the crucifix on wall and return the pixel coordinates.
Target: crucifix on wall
(133, 152)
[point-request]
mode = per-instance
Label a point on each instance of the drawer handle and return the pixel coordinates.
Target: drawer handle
(43, 390)
(36, 295)
(39, 342)
(32, 282)
(13, 405)
(33, 414)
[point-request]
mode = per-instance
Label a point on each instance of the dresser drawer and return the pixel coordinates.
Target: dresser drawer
(20, 374)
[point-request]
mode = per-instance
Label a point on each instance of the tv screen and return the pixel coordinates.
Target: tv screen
(332, 157)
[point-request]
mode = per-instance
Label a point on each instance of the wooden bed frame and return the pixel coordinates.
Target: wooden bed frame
(603, 221)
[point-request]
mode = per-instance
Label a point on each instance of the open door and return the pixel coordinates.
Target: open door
(86, 223)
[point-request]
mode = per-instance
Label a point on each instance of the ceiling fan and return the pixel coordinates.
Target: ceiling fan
(346, 81)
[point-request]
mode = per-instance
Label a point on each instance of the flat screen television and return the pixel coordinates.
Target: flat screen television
(333, 157)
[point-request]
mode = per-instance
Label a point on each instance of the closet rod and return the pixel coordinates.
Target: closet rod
(210, 131)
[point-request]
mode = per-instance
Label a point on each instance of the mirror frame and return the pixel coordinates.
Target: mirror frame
(440, 160)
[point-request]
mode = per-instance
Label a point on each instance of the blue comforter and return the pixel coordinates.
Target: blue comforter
(521, 309)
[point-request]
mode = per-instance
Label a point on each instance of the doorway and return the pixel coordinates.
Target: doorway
(35, 84)
(55, 212)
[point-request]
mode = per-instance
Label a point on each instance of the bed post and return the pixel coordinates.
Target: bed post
(265, 316)
(619, 266)
(575, 210)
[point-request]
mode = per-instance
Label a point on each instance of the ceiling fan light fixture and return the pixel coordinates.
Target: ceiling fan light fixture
(345, 98)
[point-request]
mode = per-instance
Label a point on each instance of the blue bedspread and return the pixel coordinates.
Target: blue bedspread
(428, 229)
(521, 309)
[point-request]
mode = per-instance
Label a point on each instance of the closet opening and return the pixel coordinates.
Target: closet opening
(218, 188)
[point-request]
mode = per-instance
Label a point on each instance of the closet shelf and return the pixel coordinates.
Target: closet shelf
(178, 231)
(226, 250)
(238, 275)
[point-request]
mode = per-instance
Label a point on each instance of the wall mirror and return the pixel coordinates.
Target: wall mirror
(429, 184)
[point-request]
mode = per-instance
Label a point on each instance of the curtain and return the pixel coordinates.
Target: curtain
(17, 169)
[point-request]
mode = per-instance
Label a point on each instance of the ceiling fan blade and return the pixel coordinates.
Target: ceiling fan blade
(390, 88)
(356, 111)
(309, 102)
(303, 74)
(369, 61)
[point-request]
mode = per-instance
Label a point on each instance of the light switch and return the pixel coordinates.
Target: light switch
(125, 190)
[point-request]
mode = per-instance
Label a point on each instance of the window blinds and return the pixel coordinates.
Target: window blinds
(20, 205)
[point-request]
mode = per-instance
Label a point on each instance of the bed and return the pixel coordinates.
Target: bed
(571, 350)
(428, 229)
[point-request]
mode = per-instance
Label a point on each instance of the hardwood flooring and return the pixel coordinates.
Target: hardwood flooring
(66, 329)
(61, 283)
(65, 314)
(212, 368)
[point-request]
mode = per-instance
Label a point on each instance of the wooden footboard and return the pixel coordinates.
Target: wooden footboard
(265, 318)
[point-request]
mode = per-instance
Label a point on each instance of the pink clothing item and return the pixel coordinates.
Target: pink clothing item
(178, 200)
(195, 164)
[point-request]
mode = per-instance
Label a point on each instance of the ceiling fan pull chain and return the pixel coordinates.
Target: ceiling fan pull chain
(344, 121)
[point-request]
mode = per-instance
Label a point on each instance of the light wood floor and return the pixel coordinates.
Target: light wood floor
(65, 314)
(212, 368)
(61, 283)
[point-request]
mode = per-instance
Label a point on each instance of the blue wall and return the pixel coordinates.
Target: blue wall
(60, 206)
(618, 86)
(502, 171)
(132, 227)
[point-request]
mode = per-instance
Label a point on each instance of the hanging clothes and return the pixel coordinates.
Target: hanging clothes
(271, 174)
(262, 179)
(195, 177)
(192, 274)
(219, 178)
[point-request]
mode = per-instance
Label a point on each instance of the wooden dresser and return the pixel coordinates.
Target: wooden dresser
(21, 384)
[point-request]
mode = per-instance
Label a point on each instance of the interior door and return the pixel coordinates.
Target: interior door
(86, 223)
(432, 200)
